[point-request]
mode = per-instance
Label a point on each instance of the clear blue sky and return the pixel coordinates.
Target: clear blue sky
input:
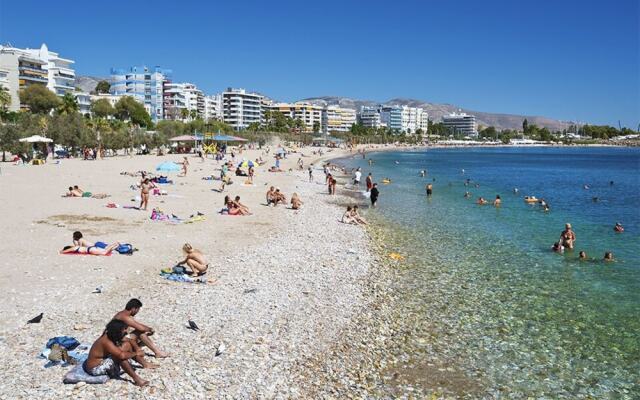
(572, 60)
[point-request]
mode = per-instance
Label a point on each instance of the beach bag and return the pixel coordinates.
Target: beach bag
(125, 248)
(67, 342)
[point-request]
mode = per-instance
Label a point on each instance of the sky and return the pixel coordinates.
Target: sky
(569, 60)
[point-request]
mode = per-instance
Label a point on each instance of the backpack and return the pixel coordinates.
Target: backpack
(125, 248)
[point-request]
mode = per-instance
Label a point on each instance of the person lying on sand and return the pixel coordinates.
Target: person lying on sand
(111, 352)
(92, 250)
(141, 332)
(275, 169)
(195, 260)
(75, 191)
(296, 203)
(72, 192)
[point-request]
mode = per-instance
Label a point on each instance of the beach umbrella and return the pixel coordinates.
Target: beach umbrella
(36, 139)
(246, 163)
(168, 166)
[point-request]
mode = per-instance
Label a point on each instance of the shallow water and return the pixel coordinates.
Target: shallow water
(484, 297)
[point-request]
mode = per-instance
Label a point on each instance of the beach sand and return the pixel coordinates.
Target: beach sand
(287, 283)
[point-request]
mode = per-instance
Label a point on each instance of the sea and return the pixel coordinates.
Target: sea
(491, 310)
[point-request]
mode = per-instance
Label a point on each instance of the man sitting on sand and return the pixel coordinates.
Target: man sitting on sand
(278, 197)
(111, 352)
(195, 260)
(270, 196)
(141, 332)
(91, 250)
(241, 206)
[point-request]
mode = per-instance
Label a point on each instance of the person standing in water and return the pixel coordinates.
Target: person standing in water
(497, 202)
(374, 194)
(369, 182)
(567, 237)
(429, 189)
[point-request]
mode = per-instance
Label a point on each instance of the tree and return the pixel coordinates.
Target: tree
(68, 105)
(39, 99)
(128, 109)
(316, 127)
(5, 99)
(9, 135)
(103, 87)
(184, 113)
(525, 126)
(102, 108)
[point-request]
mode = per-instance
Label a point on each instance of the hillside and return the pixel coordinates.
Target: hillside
(88, 83)
(436, 111)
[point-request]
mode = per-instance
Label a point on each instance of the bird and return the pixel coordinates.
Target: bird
(221, 348)
(193, 326)
(98, 289)
(247, 291)
(35, 320)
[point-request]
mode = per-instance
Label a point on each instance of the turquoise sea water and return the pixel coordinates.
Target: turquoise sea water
(495, 305)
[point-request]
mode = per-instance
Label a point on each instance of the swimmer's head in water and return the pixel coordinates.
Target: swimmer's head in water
(583, 254)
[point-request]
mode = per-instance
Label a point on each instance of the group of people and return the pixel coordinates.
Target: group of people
(121, 342)
(567, 241)
(75, 191)
(234, 206)
(351, 216)
(274, 197)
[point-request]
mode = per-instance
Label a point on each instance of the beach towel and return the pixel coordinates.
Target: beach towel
(182, 278)
(79, 353)
(77, 374)
(86, 254)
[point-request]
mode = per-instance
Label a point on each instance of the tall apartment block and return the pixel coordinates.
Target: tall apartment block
(241, 108)
(143, 83)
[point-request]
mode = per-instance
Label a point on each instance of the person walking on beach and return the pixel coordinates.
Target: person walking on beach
(374, 194)
(310, 174)
(185, 165)
(141, 332)
(369, 182)
(332, 185)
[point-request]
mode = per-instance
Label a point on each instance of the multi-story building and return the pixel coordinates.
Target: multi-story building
(404, 119)
(371, 117)
(241, 108)
(183, 101)
(337, 119)
(213, 107)
(143, 83)
(112, 98)
(309, 114)
(22, 69)
(84, 102)
(61, 76)
(461, 123)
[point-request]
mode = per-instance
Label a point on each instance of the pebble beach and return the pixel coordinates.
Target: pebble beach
(288, 283)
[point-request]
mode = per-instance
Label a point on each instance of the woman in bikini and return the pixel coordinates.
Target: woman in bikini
(91, 250)
(195, 260)
(145, 186)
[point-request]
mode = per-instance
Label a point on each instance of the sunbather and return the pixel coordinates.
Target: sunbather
(244, 208)
(296, 203)
(92, 250)
(78, 240)
(195, 260)
(141, 331)
(111, 352)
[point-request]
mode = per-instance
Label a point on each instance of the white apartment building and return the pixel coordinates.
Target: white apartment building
(371, 117)
(461, 123)
(183, 101)
(241, 108)
(61, 77)
(24, 67)
(404, 119)
(84, 102)
(112, 98)
(308, 113)
(144, 84)
(213, 107)
(337, 119)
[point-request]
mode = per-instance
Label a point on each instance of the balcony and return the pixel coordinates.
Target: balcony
(34, 78)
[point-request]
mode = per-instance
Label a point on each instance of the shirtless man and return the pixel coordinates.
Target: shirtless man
(145, 186)
(111, 352)
(241, 206)
(567, 237)
(271, 196)
(141, 332)
(195, 260)
(429, 188)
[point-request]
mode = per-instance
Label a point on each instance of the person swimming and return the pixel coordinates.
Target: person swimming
(582, 255)
(557, 247)
(481, 201)
(618, 228)
(497, 202)
(608, 256)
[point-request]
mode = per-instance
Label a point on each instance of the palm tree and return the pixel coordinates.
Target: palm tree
(69, 104)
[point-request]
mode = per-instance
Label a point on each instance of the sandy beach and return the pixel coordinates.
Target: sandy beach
(287, 282)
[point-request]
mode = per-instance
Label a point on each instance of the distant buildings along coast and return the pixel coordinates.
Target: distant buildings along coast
(165, 99)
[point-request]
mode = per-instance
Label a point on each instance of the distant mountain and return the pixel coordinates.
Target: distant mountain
(88, 83)
(436, 111)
